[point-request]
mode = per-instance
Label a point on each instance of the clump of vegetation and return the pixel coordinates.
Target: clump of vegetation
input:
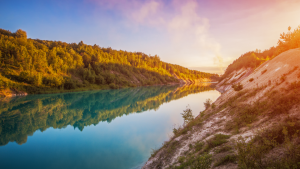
(223, 149)
(217, 140)
(199, 145)
(187, 115)
(250, 80)
(282, 78)
(39, 66)
(237, 86)
(207, 103)
(264, 71)
(181, 159)
(202, 161)
(213, 106)
(284, 136)
(225, 160)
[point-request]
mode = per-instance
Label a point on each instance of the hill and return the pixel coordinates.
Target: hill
(42, 66)
(254, 123)
(253, 59)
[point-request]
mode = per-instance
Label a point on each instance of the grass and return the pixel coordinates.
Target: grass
(217, 140)
(202, 161)
(225, 160)
(253, 154)
(223, 149)
(199, 145)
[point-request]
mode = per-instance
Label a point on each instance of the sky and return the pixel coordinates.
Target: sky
(205, 35)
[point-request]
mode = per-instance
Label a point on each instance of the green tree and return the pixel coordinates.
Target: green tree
(187, 115)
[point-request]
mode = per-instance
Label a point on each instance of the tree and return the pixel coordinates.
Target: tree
(207, 103)
(21, 34)
(187, 115)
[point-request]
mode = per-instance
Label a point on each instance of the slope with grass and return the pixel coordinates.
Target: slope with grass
(256, 126)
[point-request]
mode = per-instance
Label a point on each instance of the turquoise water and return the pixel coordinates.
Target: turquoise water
(110, 129)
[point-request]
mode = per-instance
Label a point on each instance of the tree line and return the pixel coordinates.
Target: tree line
(35, 65)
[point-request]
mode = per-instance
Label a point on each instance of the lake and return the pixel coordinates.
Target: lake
(109, 129)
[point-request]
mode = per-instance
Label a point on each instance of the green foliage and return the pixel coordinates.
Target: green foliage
(202, 161)
(113, 86)
(213, 106)
(47, 64)
(217, 140)
(187, 115)
(181, 159)
(207, 103)
(223, 149)
(237, 86)
(199, 145)
(252, 154)
(225, 160)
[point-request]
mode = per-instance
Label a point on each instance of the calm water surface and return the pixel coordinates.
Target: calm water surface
(111, 129)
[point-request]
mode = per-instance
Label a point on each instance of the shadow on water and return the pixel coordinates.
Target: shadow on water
(20, 117)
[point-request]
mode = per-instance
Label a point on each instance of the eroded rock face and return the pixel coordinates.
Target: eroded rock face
(274, 76)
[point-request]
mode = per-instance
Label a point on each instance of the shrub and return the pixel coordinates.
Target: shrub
(213, 106)
(99, 80)
(282, 78)
(264, 71)
(207, 103)
(69, 85)
(203, 162)
(237, 87)
(91, 79)
(187, 115)
(113, 86)
(217, 140)
(181, 159)
(199, 145)
(225, 160)
(250, 80)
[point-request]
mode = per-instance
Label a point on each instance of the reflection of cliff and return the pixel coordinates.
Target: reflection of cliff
(21, 117)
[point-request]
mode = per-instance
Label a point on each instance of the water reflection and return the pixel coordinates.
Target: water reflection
(22, 116)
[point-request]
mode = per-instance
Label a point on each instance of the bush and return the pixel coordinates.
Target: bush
(217, 140)
(91, 79)
(264, 71)
(250, 80)
(187, 115)
(237, 87)
(69, 85)
(225, 160)
(113, 86)
(99, 80)
(207, 103)
(213, 106)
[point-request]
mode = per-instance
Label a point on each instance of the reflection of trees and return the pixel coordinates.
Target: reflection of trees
(21, 117)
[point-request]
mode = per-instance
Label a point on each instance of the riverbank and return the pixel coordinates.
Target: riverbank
(47, 90)
(253, 124)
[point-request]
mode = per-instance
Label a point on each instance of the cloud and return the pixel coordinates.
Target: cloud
(186, 29)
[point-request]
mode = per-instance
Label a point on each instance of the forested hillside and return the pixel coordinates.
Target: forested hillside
(39, 66)
(253, 59)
